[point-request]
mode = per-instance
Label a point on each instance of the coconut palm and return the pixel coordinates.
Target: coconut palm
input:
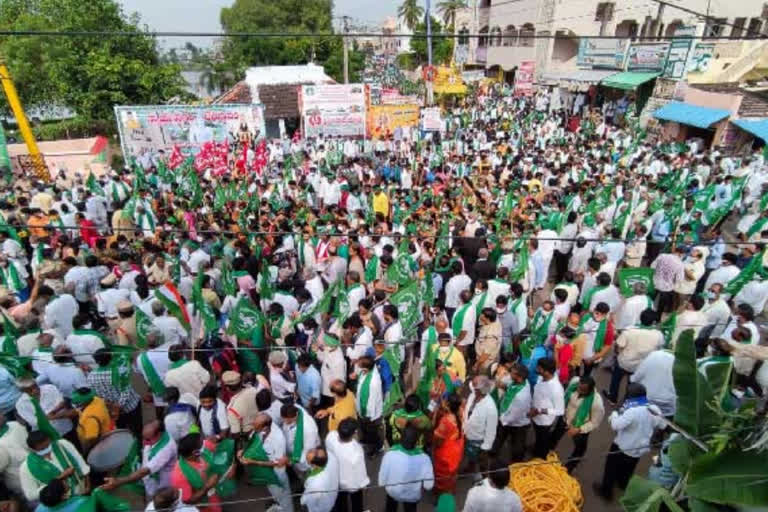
(411, 13)
(448, 10)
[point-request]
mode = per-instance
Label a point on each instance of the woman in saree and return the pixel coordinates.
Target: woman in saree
(447, 443)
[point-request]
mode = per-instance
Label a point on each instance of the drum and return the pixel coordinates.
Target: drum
(111, 451)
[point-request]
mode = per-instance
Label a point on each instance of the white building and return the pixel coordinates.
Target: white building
(507, 27)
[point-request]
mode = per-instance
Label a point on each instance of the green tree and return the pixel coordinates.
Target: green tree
(442, 47)
(334, 64)
(448, 10)
(411, 12)
(284, 16)
(87, 74)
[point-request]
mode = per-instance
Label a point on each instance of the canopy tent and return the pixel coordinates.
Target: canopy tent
(628, 80)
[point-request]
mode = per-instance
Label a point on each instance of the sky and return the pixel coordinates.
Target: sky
(203, 15)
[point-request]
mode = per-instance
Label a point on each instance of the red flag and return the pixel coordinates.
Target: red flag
(176, 158)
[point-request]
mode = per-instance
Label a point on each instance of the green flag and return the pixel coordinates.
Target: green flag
(94, 186)
(667, 328)
(629, 276)
(244, 318)
(754, 267)
(143, 324)
(210, 323)
(228, 283)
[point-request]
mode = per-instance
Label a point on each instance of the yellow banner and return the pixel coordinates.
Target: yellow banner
(448, 81)
(384, 119)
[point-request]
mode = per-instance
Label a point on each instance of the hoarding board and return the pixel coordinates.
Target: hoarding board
(145, 130)
(333, 110)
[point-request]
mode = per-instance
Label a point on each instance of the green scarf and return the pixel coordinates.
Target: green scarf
(45, 471)
(298, 439)
(480, 304)
(413, 451)
(133, 463)
(585, 407)
(757, 226)
(10, 278)
(43, 424)
(178, 364)
(588, 296)
(599, 341)
(154, 381)
(155, 448)
(458, 319)
(4, 429)
(509, 396)
(191, 475)
(259, 475)
(365, 392)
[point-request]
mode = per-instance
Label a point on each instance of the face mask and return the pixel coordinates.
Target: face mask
(445, 350)
(44, 451)
(478, 292)
(506, 380)
(711, 295)
(501, 311)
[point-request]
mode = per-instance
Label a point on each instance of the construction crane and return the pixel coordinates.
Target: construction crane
(34, 161)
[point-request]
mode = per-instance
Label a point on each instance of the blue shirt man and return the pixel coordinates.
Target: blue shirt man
(9, 393)
(308, 382)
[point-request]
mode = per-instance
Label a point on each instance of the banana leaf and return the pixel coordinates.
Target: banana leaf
(734, 477)
(696, 402)
(645, 496)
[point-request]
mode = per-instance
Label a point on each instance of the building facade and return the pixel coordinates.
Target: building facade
(545, 31)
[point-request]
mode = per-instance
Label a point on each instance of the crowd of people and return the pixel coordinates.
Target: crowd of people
(436, 304)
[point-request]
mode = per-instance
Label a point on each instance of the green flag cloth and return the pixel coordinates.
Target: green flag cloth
(132, 463)
(154, 381)
(266, 291)
(298, 439)
(371, 268)
(259, 475)
(323, 305)
(228, 282)
(244, 318)
(93, 185)
(143, 325)
(667, 328)
(43, 423)
(210, 323)
(629, 276)
(754, 267)
(219, 463)
(400, 270)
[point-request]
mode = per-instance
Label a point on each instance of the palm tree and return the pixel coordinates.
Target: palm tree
(448, 9)
(411, 13)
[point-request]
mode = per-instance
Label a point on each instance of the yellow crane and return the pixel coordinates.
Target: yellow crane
(36, 162)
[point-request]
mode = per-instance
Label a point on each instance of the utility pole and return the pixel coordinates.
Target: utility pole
(430, 90)
(658, 27)
(346, 49)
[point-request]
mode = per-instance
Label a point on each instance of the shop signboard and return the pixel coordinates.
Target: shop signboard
(524, 78)
(647, 56)
(601, 53)
(679, 51)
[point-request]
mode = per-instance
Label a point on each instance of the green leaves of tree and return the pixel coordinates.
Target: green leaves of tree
(87, 74)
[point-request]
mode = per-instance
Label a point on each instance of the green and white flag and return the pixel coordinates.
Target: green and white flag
(143, 324)
(629, 276)
(244, 318)
(401, 269)
(94, 186)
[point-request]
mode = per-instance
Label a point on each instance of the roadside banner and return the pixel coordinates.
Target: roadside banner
(524, 78)
(448, 80)
(432, 120)
(383, 120)
(333, 110)
(145, 130)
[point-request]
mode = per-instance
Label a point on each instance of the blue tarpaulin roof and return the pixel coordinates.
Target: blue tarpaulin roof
(692, 115)
(757, 127)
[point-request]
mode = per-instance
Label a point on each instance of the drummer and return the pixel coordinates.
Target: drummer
(51, 460)
(94, 420)
(157, 461)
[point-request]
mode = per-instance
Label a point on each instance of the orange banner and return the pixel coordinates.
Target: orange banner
(384, 119)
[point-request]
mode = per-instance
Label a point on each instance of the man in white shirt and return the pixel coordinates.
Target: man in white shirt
(480, 422)
(628, 313)
(353, 474)
(321, 488)
(455, 285)
(51, 402)
(13, 452)
(754, 293)
(632, 346)
(59, 314)
(634, 424)
(692, 317)
(334, 366)
(404, 471)
(289, 415)
(725, 273)
(188, 376)
(493, 494)
(170, 327)
(716, 309)
(274, 444)
(514, 405)
(547, 406)
(368, 403)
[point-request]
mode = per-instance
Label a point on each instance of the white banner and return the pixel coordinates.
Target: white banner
(333, 110)
(431, 120)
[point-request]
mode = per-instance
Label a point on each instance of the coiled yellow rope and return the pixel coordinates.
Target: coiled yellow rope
(545, 487)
